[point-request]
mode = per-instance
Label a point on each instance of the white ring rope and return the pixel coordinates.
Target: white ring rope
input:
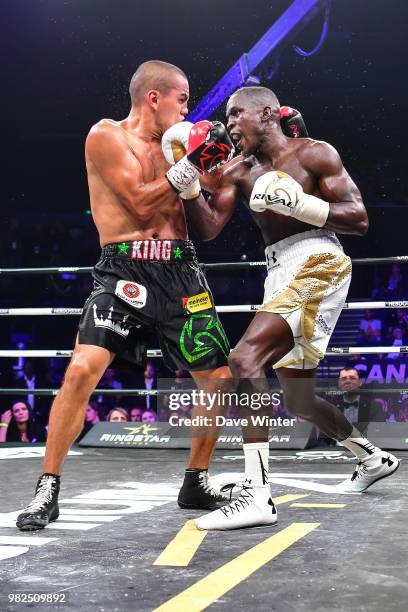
(363, 261)
(335, 350)
(40, 312)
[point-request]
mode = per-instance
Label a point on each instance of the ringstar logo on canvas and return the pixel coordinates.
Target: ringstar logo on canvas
(132, 293)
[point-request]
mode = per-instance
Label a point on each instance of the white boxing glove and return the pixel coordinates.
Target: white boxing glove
(280, 193)
(174, 147)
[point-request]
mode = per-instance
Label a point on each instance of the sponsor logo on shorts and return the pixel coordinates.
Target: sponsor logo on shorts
(272, 260)
(195, 303)
(132, 293)
(323, 325)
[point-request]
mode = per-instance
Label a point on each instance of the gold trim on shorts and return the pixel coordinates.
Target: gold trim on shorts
(307, 290)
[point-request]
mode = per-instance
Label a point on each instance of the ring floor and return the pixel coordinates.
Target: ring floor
(121, 542)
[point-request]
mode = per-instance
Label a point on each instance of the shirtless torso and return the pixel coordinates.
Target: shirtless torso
(115, 220)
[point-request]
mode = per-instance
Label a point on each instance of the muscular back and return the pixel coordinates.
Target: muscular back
(130, 199)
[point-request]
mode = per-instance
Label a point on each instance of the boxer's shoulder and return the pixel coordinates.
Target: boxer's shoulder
(314, 154)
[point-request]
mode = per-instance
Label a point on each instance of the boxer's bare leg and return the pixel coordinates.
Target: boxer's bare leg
(203, 440)
(86, 367)
(66, 421)
(196, 491)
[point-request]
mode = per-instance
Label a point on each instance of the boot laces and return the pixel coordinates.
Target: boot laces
(242, 501)
(43, 495)
(360, 471)
(205, 484)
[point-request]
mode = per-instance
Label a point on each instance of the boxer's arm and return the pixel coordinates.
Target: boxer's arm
(347, 214)
(209, 217)
(120, 170)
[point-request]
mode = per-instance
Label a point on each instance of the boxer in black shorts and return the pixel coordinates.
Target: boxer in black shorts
(148, 278)
(147, 286)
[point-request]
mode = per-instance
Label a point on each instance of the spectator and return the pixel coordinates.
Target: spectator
(395, 279)
(385, 406)
(16, 425)
(92, 417)
(150, 383)
(149, 416)
(398, 318)
(397, 340)
(370, 329)
(355, 406)
(402, 415)
(109, 381)
(136, 414)
(117, 415)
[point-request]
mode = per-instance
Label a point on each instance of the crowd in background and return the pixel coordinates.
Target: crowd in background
(73, 242)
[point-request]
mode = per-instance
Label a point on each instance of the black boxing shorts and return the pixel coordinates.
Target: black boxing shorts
(148, 286)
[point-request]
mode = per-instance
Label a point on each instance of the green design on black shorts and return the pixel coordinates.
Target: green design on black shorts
(200, 335)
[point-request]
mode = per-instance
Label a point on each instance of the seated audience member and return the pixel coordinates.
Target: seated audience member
(117, 414)
(395, 280)
(16, 425)
(109, 381)
(370, 329)
(398, 318)
(402, 414)
(136, 414)
(149, 416)
(93, 416)
(385, 408)
(356, 407)
(396, 340)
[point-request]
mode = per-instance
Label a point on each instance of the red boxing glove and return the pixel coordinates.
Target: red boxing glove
(209, 146)
(292, 123)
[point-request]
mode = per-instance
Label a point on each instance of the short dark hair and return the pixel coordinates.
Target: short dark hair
(153, 74)
(347, 368)
(261, 96)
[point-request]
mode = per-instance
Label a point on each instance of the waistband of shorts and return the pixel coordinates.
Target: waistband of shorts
(166, 251)
(302, 245)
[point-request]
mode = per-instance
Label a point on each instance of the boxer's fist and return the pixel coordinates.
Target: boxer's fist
(280, 193)
(275, 191)
(174, 147)
(292, 123)
(175, 141)
(209, 145)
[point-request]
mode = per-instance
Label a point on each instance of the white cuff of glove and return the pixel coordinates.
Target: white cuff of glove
(182, 175)
(312, 210)
(192, 192)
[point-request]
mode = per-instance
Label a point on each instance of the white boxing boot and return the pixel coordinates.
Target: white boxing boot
(253, 508)
(368, 471)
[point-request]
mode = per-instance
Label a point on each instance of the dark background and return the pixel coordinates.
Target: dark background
(68, 63)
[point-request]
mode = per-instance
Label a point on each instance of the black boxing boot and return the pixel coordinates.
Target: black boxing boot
(197, 492)
(44, 507)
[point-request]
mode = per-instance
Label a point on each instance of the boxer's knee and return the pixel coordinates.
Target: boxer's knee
(244, 362)
(81, 377)
(299, 403)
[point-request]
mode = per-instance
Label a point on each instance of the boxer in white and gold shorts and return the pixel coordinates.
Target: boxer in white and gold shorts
(308, 279)
(300, 195)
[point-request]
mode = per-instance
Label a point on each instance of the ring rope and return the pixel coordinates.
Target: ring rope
(335, 350)
(39, 312)
(144, 392)
(364, 261)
